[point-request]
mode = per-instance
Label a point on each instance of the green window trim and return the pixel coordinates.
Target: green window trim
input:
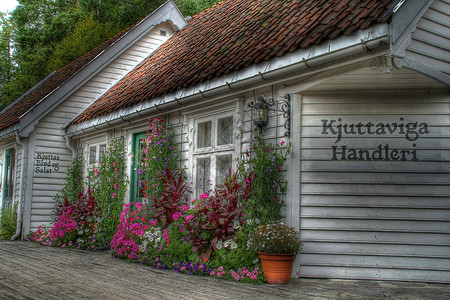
(134, 176)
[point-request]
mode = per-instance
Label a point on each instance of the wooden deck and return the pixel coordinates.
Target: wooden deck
(31, 271)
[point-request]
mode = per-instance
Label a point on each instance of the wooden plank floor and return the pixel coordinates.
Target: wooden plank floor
(31, 271)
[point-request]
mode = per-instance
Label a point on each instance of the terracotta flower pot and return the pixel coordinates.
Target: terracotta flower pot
(277, 267)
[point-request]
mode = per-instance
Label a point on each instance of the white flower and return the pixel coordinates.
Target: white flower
(219, 245)
(227, 243)
(233, 245)
(236, 224)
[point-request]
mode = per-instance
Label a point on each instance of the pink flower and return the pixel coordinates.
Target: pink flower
(212, 273)
(282, 143)
(176, 215)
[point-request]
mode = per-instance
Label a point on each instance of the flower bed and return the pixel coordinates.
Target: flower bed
(210, 236)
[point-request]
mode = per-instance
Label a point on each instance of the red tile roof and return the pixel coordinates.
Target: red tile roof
(231, 36)
(11, 114)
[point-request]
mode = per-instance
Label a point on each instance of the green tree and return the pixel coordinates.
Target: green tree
(36, 26)
(119, 12)
(48, 34)
(193, 7)
(6, 63)
(87, 34)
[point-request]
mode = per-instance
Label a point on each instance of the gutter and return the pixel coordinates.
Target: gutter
(279, 69)
(21, 180)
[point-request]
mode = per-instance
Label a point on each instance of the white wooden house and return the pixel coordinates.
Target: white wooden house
(369, 120)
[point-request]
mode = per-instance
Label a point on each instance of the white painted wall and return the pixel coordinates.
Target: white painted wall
(384, 219)
(430, 42)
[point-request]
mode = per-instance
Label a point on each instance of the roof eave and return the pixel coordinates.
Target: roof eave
(9, 132)
(298, 61)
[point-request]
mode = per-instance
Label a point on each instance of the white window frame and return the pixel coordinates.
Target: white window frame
(99, 149)
(214, 150)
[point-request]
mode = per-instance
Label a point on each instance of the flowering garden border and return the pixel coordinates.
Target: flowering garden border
(209, 236)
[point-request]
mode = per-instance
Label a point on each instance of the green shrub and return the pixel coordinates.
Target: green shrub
(266, 161)
(73, 183)
(109, 185)
(8, 223)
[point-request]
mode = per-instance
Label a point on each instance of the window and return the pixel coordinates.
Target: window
(96, 153)
(136, 179)
(214, 148)
(8, 178)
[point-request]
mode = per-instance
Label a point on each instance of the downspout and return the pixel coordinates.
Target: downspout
(22, 177)
(69, 146)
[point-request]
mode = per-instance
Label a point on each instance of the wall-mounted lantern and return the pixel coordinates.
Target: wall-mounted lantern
(260, 112)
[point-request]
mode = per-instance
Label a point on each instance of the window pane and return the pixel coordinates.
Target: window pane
(225, 131)
(101, 154)
(204, 135)
(203, 175)
(92, 155)
(223, 165)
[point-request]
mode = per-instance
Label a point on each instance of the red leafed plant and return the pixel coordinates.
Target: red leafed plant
(226, 207)
(168, 202)
(217, 217)
(84, 207)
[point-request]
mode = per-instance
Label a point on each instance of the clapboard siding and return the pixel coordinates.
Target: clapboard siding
(49, 139)
(375, 201)
(374, 218)
(42, 205)
(376, 273)
(311, 222)
(430, 43)
(376, 178)
(372, 237)
(413, 263)
(381, 250)
(101, 82)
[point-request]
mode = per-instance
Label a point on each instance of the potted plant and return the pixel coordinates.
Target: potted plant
(277, 245)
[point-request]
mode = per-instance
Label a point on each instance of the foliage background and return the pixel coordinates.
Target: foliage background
(41, 36)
